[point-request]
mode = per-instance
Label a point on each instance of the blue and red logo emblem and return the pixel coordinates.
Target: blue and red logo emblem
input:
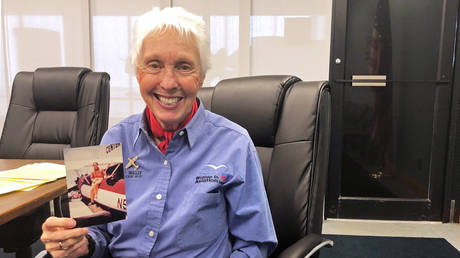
(223, 178)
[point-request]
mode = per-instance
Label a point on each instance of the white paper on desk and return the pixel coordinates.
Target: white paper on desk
(7, 186)
(30, 188)
(28, 177)
(35, 182)
(39, 171)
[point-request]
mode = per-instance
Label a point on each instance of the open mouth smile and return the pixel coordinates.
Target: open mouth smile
(168, 101)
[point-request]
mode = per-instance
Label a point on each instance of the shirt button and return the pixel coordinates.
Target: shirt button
(159, 196)
(151, 233)
(165, 162)
(181, 133)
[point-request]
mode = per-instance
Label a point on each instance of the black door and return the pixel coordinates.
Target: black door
(391, 73)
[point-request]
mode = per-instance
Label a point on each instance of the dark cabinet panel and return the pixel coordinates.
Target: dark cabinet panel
(390, 141)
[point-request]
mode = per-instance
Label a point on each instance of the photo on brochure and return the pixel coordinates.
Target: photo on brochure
(95, 184)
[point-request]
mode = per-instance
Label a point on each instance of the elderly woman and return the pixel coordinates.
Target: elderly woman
(199, 192)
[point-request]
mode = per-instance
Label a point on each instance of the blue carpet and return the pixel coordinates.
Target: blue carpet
(362, 247)
(388, 247)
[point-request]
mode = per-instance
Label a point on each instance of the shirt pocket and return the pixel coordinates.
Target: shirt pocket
(204, 221)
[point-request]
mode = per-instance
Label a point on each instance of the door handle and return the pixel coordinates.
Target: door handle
(380, 81)
(369, 80)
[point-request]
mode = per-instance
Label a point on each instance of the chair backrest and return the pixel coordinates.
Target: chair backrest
(55, 108)
(289, 122)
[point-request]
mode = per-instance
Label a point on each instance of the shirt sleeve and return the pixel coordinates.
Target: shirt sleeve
(101, 239)
(249, 216)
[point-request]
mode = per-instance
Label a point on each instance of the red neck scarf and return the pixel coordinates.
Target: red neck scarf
(161, 134)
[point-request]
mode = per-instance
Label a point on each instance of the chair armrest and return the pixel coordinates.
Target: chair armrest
(306, 246)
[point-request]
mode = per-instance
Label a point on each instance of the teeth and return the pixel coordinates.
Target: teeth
(169, 101)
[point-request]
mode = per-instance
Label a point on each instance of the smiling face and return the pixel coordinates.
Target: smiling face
(169, 77)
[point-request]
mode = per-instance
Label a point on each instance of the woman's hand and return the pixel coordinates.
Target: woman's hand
(62, 239)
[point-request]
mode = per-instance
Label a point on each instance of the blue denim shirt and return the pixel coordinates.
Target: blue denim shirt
(204, 198)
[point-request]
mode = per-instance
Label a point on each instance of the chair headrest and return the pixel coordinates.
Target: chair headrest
(254, 103)
(56, 88)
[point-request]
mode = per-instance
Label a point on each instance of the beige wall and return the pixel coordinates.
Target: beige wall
(247, 38)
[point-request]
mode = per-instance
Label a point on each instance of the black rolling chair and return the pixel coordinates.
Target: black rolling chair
(289, 122)
(50, 109)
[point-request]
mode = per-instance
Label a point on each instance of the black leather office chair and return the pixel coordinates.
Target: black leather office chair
(50, 109)
(289, 122)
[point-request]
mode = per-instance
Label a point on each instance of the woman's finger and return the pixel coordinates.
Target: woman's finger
(62, 235)
(55, 223)
(77, 249)
(69, 243)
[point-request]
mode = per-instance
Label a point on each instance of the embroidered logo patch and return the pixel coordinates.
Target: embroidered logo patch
(133, 174)
(224, 177)
(211, 173)
(206, 179)
(216, 167)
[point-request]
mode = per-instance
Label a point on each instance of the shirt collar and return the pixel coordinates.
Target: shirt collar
(195, 128)
(192, 130)
(142, 127)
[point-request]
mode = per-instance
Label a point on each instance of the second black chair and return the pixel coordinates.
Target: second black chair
(289, 123)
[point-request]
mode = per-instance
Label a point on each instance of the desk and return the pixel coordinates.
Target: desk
(17, 203)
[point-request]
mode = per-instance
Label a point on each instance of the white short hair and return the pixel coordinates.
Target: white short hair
(185, 23)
